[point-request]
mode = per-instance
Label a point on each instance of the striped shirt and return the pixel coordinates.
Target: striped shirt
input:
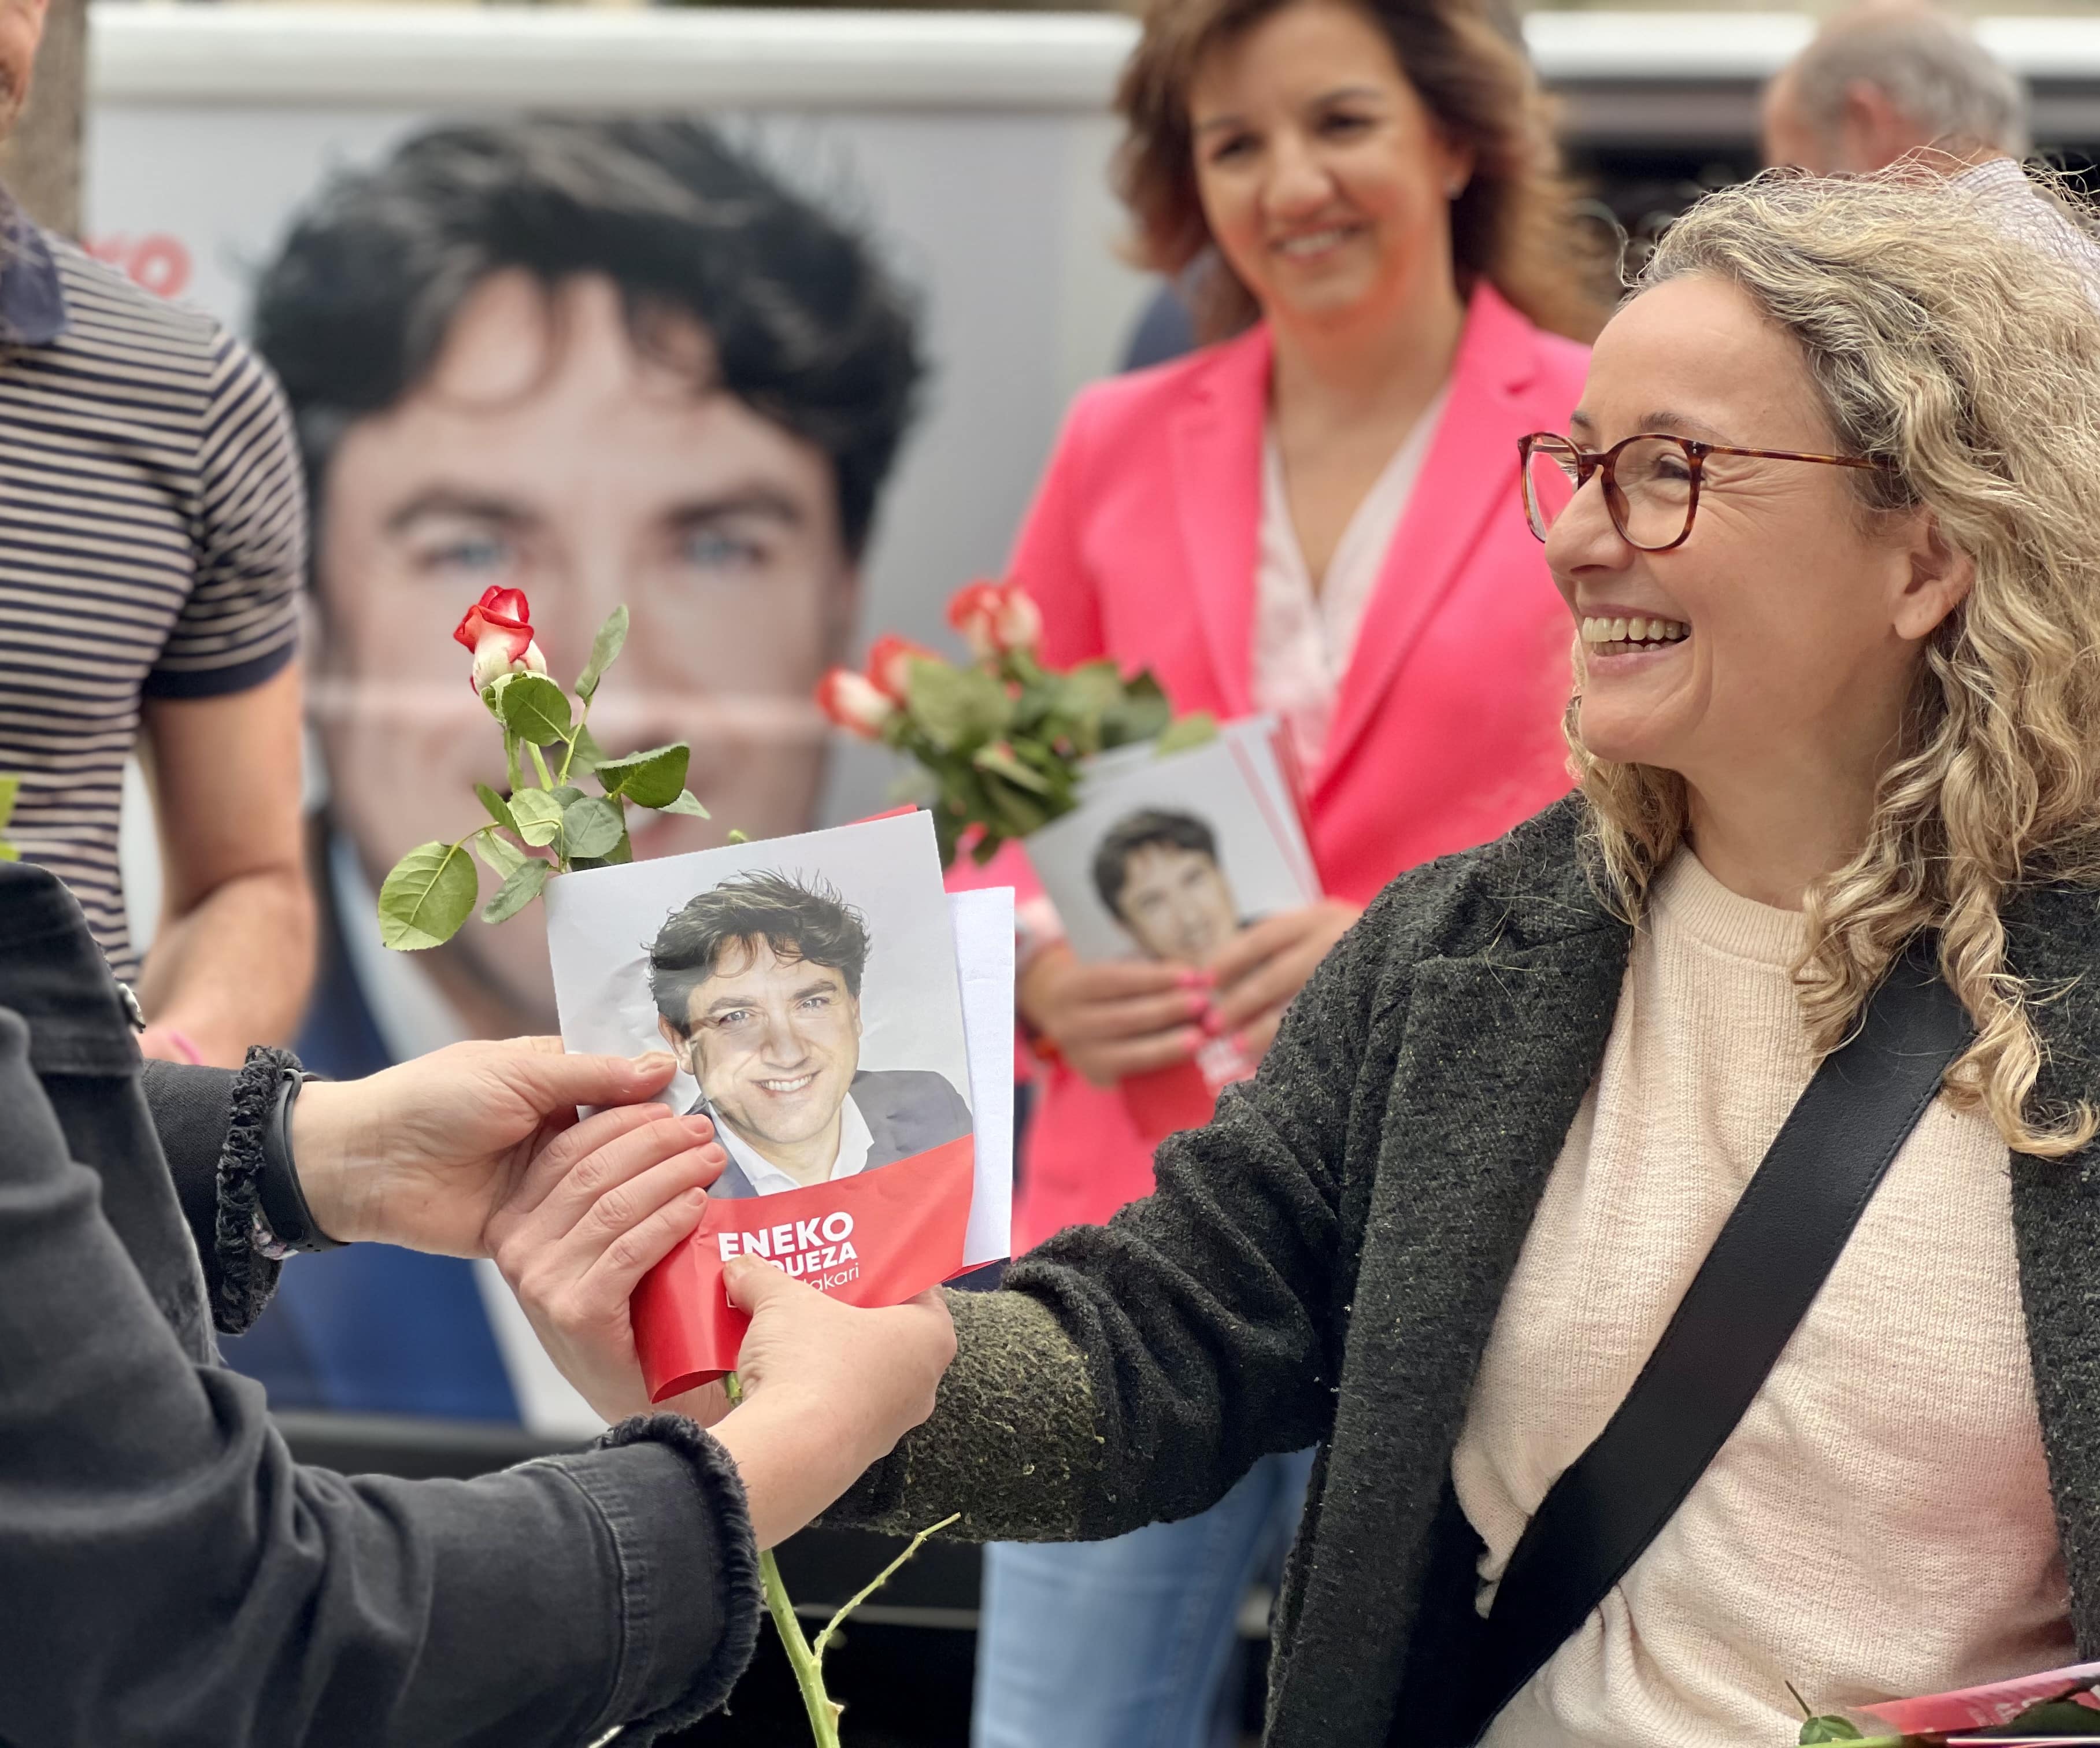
(152, 535)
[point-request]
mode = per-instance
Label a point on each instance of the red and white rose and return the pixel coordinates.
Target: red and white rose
(855, 702)
(498, 628)
(995, 619)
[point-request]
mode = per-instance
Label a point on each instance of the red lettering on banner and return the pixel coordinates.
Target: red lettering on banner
(885, 1234)
(158, 262)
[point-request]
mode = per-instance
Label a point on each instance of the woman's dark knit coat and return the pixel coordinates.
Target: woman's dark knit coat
(1323, 1263)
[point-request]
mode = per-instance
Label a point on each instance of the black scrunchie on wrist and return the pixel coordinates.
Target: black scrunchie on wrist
(246, 1276)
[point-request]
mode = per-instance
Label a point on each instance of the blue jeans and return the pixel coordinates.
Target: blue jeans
(1126, 1644)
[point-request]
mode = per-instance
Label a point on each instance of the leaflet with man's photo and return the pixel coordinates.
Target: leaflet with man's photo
(1168, 858)
(812, 992)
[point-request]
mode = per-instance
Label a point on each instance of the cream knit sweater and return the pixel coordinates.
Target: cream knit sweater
(1880, 1524)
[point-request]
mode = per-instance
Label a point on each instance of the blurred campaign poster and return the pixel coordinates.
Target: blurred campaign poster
(815, 991)
(761, 323)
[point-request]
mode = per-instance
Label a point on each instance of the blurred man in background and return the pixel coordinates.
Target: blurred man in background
(601, 362)
(1884, 81)
(151, 542)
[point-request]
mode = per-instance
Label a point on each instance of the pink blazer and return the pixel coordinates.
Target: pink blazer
(1141, 545)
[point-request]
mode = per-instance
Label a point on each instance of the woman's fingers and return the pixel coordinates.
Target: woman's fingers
(1259, 1033)
(1119, 979)
(558, 1157)
(592, 1186)
(611, 1281)
(1140, 1017)
(1106, 1063)
(1254, 943)
(1271, 986)
(580, 1279)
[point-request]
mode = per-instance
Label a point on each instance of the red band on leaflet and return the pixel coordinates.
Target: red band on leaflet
(874, 1239)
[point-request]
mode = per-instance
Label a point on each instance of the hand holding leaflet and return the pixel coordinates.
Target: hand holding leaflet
(809, 987)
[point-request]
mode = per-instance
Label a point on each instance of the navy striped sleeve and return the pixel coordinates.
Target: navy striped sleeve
(239, 625)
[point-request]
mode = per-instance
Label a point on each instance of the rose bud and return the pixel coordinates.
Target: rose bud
(974, 612)
(498, 628)
(855, 702)
(889, 664)
(1018, 622)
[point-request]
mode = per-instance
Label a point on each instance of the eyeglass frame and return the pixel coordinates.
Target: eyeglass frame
(1591, 463)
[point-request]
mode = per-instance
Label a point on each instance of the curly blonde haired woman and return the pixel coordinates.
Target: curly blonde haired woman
(1838, 602)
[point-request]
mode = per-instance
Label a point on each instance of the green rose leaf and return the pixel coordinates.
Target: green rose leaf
(1198, 728)
(503, 856)
(687, 803)
(958, 709)
(426, 897)
(655, 778)
(496, 807)
(1142, 714)
(621, 852)
(590, 828)
(525, 883)
(604, 651)
(567, 796)
(535, 708)
(538, 814)
(1830, 1729)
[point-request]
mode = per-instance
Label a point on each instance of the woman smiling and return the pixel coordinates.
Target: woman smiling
(1839, 447)
(1314, 516)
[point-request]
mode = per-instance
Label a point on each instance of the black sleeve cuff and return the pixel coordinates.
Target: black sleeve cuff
(246, 1277)
(683, 1598)
(221, 682)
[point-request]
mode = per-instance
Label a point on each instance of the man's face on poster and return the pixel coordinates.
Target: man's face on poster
(774, 1044)
(545, 452)
(1175, 903)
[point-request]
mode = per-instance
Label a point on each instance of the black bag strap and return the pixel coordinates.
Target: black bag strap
(1751, 1294)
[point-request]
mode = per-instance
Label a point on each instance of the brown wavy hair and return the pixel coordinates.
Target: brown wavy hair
(1516, 225)
(1953, 334)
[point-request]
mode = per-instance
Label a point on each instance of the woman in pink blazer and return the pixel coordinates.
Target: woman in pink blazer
(1317, 517)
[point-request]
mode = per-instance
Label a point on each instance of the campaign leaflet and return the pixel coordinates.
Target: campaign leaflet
(1168, 858)
(812, 989)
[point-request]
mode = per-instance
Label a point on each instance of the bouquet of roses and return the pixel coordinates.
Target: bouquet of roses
(1002, 738)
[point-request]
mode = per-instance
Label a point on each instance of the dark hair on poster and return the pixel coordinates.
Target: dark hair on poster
(1141, 831)
(801, 920)
(807, 328)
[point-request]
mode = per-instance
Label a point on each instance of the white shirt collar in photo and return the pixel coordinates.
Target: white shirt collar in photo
(855, 1142)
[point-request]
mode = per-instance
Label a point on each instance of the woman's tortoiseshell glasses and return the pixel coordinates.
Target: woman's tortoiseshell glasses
(1651, 482)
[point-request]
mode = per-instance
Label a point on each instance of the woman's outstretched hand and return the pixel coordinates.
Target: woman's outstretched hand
(828, 1390)
(423, 1154)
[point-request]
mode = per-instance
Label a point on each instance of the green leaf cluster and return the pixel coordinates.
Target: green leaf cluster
(542, 827)
(1003, 743)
